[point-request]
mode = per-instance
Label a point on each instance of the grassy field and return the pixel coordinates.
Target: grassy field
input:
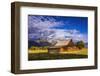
(83, 51)
(44, 55)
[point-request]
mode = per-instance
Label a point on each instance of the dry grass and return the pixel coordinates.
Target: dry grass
(37, 51)
(34, 50)
(42, 54)
(83, 51)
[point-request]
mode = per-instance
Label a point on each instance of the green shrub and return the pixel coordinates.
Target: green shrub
(80, 44)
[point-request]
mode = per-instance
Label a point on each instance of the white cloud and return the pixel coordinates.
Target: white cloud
(69, 34)
(41, 22)
(40, 27)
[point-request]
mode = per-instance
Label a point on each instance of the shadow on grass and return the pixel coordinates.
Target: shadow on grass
(45, 56)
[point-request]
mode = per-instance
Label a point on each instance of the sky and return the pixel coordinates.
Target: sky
(57, 27)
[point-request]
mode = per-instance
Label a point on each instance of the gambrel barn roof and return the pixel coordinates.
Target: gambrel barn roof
(63, 43)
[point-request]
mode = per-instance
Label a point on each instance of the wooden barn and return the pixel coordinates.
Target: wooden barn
(61, 45)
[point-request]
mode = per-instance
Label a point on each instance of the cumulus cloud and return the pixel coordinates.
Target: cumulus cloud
(43, 22)
(40, 27)
(69, 34)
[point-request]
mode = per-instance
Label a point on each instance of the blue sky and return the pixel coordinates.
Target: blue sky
(78, 23)
(54, 27)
